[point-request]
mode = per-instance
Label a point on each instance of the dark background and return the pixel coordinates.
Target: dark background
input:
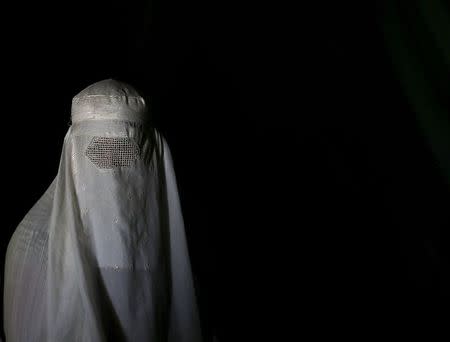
(313, 202)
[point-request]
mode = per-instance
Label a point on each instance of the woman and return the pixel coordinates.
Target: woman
(102, 256)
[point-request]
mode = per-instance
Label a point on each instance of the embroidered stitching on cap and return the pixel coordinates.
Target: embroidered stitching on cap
(111, 152)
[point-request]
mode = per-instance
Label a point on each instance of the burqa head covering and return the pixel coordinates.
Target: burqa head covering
(102, 255)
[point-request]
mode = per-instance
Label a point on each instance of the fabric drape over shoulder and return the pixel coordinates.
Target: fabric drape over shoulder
(102, 255)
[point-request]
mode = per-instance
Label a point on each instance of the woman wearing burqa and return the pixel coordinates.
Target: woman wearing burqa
(102, 256)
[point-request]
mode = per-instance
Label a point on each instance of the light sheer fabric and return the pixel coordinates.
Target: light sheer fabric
(102, 255)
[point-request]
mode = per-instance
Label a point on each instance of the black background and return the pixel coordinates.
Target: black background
(311, 201)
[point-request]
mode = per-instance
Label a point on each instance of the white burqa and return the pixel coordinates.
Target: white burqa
(102, 255)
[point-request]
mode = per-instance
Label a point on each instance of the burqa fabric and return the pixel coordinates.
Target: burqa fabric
(102, 255)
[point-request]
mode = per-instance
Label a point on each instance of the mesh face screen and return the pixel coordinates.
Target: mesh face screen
(108, 153)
